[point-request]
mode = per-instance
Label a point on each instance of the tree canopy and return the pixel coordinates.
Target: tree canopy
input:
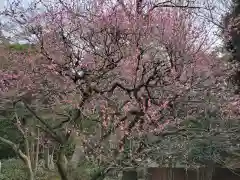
(115, 83)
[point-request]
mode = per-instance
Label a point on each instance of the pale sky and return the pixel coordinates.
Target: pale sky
(212, 2)
(3, 2)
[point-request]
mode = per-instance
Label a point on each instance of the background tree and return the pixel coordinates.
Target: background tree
(231, 40)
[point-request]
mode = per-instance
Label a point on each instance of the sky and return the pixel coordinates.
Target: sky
(4, 2)
(1, 5)
(25, 2)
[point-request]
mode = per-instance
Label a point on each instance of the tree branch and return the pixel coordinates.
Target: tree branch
(168, 133)
(10, 143)
(49, 129)
(15, 147)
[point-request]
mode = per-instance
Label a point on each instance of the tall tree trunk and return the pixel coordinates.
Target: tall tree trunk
(130, 175)
(26, 145)
(61, 165)
(46, 158)
(78, 151)
(51, 162)
(26, 159)
(37, 150)
(30, 170)
(32, 151)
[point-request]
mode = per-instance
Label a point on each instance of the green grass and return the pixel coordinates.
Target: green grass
(14, 169)
(20, 47)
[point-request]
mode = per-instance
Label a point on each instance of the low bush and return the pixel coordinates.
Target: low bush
(13, 169)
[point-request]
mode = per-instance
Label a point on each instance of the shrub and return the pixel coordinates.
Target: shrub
(13, 169)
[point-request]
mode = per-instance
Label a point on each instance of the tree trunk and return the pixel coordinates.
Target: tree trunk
(130, 175)
(28, 163)
(78, 151)
(37, 151)
(32, 157)
(61, 165)
(46, 158)
(51, 162)
(27, 148)
(30, 170)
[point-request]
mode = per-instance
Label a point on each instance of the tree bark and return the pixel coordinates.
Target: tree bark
(61, 165)
(30, 170)
(37, 150)
(78, 152)
(46, 157)
(32, 157)
(27, 147)
(51, 162)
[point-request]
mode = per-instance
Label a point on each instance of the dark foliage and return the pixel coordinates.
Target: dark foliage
(232, 39)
